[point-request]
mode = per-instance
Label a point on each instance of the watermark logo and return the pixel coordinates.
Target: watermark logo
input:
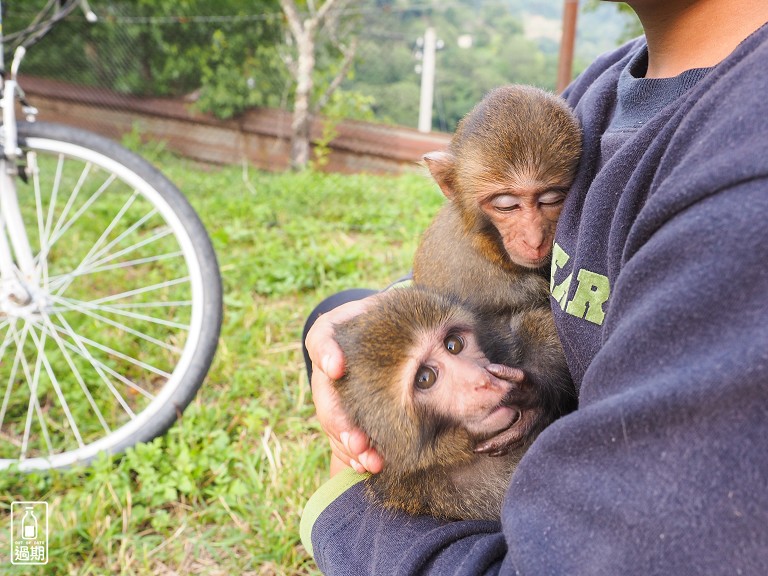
(29, 533)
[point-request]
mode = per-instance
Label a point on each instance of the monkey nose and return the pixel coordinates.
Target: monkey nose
(534, 238)
(489, 381)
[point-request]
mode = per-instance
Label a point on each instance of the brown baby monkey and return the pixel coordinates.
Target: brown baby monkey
(429, 379)
(506, 173)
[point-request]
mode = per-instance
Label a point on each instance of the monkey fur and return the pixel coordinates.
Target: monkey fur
(464, 276)
(515, 130)
(515, 135)
(431, 466)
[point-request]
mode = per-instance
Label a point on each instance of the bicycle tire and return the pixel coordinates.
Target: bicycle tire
(127, 307)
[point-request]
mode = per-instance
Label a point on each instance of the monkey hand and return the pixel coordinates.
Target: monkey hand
(526, 426)
(349, 445)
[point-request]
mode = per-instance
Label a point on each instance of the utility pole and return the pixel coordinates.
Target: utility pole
(567, 41)
(427, 80)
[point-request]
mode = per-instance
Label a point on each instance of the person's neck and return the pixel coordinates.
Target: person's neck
(683, 35)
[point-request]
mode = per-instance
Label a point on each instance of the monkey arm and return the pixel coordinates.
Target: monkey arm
(528, 423)
(543, 388)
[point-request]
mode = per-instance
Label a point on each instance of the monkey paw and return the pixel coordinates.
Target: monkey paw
(519, 434)
(524, 428)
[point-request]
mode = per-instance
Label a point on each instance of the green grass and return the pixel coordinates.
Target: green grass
(223, 491)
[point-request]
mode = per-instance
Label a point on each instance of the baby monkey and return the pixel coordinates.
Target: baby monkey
(428, 378)
(505, 175)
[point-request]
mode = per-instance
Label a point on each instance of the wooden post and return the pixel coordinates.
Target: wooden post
(565, 64)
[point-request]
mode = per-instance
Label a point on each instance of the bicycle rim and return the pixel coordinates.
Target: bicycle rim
(124, 316)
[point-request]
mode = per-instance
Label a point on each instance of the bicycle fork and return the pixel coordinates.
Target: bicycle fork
(19, 277)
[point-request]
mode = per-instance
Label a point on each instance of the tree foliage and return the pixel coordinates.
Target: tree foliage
(223, 52)
(498, 53)
(229, 55)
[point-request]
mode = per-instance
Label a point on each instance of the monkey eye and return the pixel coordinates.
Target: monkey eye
(552, 197)
(425, 378)
(505, 202)
(454, 344)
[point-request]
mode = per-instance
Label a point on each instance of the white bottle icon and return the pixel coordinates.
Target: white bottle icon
(29, 524)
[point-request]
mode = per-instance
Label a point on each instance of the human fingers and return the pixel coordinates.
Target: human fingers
(327, 358)
(349, 445)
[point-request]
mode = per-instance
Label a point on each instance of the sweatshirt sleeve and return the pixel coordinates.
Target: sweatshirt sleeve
(347, 535)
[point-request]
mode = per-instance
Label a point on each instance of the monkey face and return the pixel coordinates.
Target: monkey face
(445, 377)
(510, 164)
(525, 215)
(416, 379)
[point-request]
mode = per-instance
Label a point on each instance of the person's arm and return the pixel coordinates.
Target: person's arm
(351, 536)
(662, 467)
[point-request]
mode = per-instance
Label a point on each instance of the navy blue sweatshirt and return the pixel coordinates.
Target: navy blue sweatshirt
(660, 293)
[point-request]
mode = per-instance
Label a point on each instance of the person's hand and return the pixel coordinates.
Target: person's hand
(349, 445)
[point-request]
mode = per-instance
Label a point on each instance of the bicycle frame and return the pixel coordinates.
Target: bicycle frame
(19, 276)
(13, 236)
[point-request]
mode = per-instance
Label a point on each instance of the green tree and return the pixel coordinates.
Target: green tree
(224, 53)
(322, 29)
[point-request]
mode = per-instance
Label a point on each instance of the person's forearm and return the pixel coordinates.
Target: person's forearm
(352, 536)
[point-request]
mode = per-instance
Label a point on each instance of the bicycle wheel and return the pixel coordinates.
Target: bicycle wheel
(122, 324)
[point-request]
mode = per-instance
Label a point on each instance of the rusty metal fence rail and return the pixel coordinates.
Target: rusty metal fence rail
(260, 136)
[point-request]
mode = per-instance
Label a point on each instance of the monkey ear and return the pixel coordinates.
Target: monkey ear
(441, 165)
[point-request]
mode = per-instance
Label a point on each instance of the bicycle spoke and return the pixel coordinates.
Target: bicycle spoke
(43, 224)
(156, 304)
(53, 331)
(40, 342)
(84, 173)
(62, 281)
(136, 225)
(87, 267)
(105, 234)
(33, 381)
(80, 348)
(101, 366)
(131, 263)
(12, 377)
(96, 248)
(88, 310)
(54, 196)
(82, 210)
(80, 339)
(144, 290)
(131, 248)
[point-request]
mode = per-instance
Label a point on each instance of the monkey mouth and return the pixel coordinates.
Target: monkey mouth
(537, 264)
